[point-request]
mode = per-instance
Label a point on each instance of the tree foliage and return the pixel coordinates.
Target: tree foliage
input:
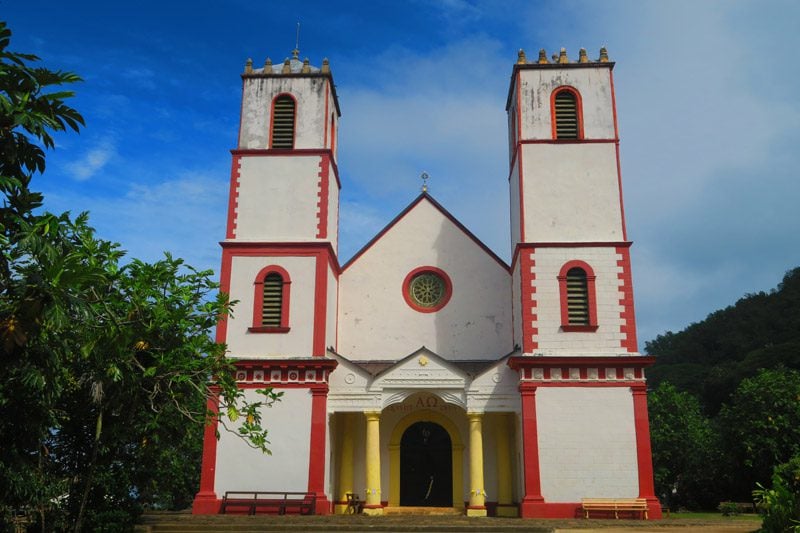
(685, 450)
(105, 365)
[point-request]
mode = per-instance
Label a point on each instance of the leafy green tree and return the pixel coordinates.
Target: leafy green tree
(684, 447)
(780, 503)
(104, 364)
(761, 426)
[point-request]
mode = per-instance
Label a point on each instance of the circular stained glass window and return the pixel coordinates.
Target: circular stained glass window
(427, 289)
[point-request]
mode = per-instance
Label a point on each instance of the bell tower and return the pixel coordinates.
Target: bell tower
(574, 319)
(570, 248)
(279, 262)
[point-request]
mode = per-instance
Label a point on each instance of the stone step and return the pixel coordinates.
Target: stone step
(427, 511)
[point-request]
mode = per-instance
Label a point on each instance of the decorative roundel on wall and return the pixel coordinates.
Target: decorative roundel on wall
(427, 289)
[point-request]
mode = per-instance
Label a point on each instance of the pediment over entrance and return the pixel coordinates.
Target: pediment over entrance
(422, 369)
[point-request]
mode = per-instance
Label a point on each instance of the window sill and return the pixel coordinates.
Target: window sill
(268, 329)
(572, 328)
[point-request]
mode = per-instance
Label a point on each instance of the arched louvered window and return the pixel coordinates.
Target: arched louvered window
(566, 110)
(577, 297)
(577, 288)
(283, 120)
(271, 301)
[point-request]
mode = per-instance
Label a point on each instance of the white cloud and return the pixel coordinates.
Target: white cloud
(93, 161)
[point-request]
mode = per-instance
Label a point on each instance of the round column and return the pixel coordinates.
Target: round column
(477, 494)
(372, 505)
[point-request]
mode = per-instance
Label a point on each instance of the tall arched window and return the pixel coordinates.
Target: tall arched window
(271, 301)
(567, 116)
(578, 306)
(283, 120)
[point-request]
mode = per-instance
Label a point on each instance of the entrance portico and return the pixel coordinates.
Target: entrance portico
(421, 444)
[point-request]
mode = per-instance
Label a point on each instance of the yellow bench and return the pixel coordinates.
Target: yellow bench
(615, 505)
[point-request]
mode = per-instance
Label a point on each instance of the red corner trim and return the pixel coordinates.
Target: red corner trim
(205, 501)
(562, 291)
(322, 196)
(224, 287)
(578, 105)
(627, 315)
(233, 198)
(447, 294)
(528, 301)
(317, 453)
(404, 212)
(644, 454)
(258, 299)
(320, 305)
(530, 447)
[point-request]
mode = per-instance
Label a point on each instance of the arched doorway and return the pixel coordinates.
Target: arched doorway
(426, 466)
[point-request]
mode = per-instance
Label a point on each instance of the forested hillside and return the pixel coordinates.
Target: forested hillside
(725, 406)
(710, 358)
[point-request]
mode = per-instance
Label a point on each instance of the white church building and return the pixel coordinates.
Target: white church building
(425, 371)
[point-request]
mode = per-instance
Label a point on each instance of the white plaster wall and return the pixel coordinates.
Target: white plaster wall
(571, 193)
(330, 310)
(311, 120)
(516, 303)
(277, 198)
(333, 209)
(297, 342)
(240, 467)
(592, 83)
(587, 443)
(603, 342)
(376, 323)
(513, 190)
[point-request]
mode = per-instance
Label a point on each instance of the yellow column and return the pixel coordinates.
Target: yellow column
(505, 503)
(477, 495)
(345, 463)
(372, 505)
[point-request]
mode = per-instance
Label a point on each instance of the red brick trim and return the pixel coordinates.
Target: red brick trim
(233, 197)
(532, 499)
(527, 277)
(644, 454)
(206, 501)
(318, 448)
(627, 315)
(322, 197)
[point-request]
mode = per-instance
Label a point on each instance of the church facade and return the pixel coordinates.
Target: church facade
(425, 370)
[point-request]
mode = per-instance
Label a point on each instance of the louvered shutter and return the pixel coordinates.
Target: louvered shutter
(272, 301)
(577, 297)
(283, 123)
(566, 115)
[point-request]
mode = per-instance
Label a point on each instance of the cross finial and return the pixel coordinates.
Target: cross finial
(425, 177)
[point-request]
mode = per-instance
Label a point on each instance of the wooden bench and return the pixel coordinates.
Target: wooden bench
(615, 505)
(269, 502)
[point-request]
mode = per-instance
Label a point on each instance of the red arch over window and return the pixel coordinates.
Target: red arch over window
(258, 300)
(591, 299)
(282, 96)
(578, 109)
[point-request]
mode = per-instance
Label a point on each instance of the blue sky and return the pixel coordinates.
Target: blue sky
(706, 95)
